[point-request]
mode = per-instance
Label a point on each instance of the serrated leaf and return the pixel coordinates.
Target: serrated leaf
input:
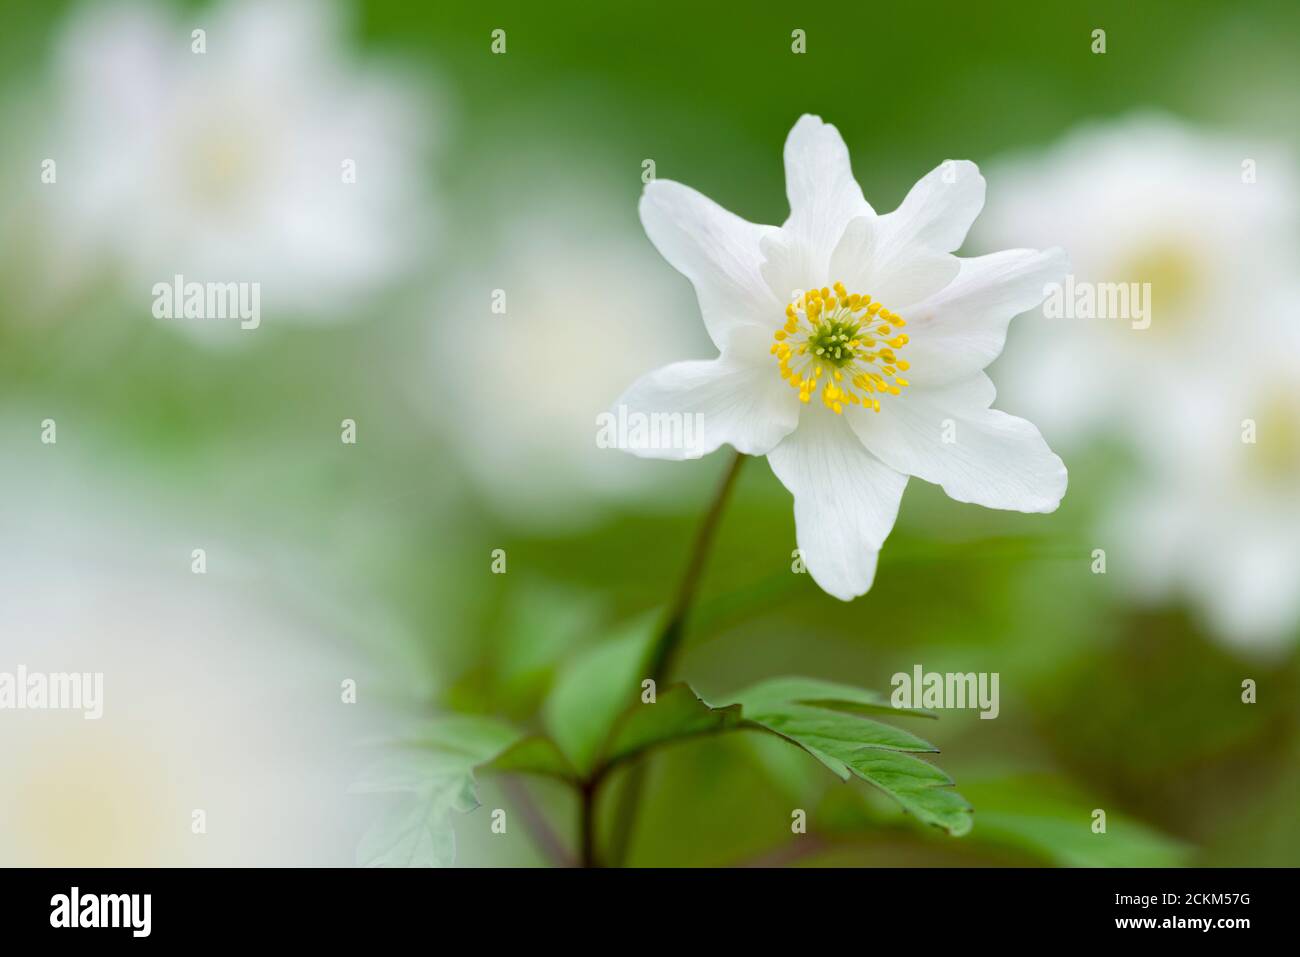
(834, 732)
(826, 694)
(410, 770)
(827, 720)
(413, 834)
(433, 774)
(918, 786)
(677, 713)
(591, 692)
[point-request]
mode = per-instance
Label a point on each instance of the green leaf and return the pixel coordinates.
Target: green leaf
(534, 755)
(415, 833)
(918, 786)
(827, 720)
(834, 733)
(829, 694)
(1044, 817)
(594, 689)
(432, 774)
(538, 626)
(474, 736)
(541, 625)
(677, 713)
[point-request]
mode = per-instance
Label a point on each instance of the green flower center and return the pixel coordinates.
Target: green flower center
(830, 342)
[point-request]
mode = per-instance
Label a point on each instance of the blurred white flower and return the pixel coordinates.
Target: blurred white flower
(1214, 516)
(520, 392)
(232, 164)
(221, 693)
(896, 403)
(1208, 220)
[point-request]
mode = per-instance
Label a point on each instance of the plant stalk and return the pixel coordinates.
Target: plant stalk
(664, 651)
(587, 825)
(670, 637)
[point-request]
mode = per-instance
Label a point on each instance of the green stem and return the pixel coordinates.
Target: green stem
(663, 652)
(548, 842)
(670, 637)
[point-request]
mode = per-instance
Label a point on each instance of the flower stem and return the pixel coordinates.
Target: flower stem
(548, 842)
(663, 652)
(587, 824)
(670, 638)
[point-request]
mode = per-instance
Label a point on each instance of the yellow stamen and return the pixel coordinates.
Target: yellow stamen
(832, 329)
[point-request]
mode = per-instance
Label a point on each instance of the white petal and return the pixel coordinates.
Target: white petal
(897, 276)
(728, 400)
(962, 328)
(845, 500)
(717, 251)
(819, 182)
(939, 209)
(788, 266)
(949, 436)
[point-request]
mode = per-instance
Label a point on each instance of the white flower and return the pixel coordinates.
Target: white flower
(1213, 515)
(231, 165)
(890, 340)
(1207, 219)
(525, 422)
(221, 692)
